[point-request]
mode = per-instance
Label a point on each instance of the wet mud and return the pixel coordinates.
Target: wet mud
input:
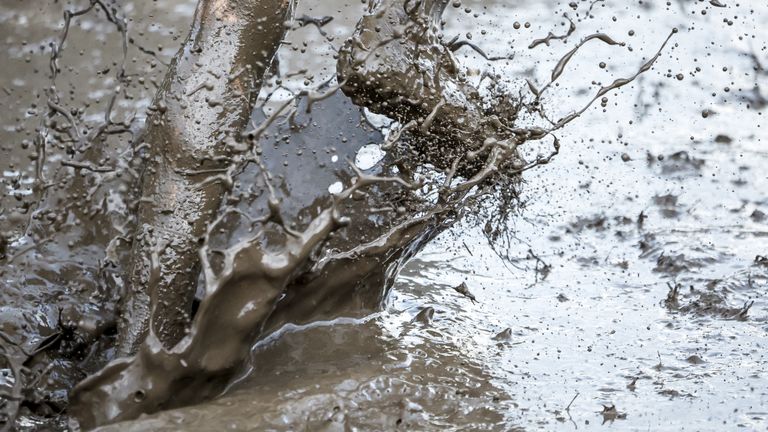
(363, 254)
(197, 120)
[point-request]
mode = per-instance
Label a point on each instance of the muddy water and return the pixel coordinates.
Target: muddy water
(662, 187)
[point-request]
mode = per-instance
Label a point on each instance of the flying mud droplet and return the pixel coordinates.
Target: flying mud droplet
(463, 289)
(425, 316)
(504, 335)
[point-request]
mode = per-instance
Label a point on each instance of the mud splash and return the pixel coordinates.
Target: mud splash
(167, 361)
(278, 228)
(272, 260)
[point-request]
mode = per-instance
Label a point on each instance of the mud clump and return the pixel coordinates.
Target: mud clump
(397, 64)
(712, 301)
(610, 414)
(674, 264)
(758, 216)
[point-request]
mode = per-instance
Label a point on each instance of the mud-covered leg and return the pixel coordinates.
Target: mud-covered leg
(199, 112)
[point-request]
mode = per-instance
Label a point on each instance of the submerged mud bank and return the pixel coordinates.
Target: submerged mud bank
(368, 382)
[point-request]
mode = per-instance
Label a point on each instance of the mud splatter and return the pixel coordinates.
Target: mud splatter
(660, 238)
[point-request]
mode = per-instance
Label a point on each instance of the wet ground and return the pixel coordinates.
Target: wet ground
(632, 295)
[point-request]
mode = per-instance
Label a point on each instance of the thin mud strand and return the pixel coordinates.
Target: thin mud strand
(46, 214)
(78, 143)
(551, 36)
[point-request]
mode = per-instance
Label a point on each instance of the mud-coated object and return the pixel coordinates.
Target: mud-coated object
(200, 111)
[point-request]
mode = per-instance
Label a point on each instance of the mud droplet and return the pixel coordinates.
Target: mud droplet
(425, 315)
(723, 139)
(758, 216)
(503, 335)
(463, 289)
(139, 396)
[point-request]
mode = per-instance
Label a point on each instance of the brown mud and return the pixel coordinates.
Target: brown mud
(282, 255)
(201, 109)
(246, 281)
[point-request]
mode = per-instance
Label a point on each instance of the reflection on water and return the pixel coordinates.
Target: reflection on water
(650, 225)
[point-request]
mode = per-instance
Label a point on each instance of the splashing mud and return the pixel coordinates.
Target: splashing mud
(184, 237)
